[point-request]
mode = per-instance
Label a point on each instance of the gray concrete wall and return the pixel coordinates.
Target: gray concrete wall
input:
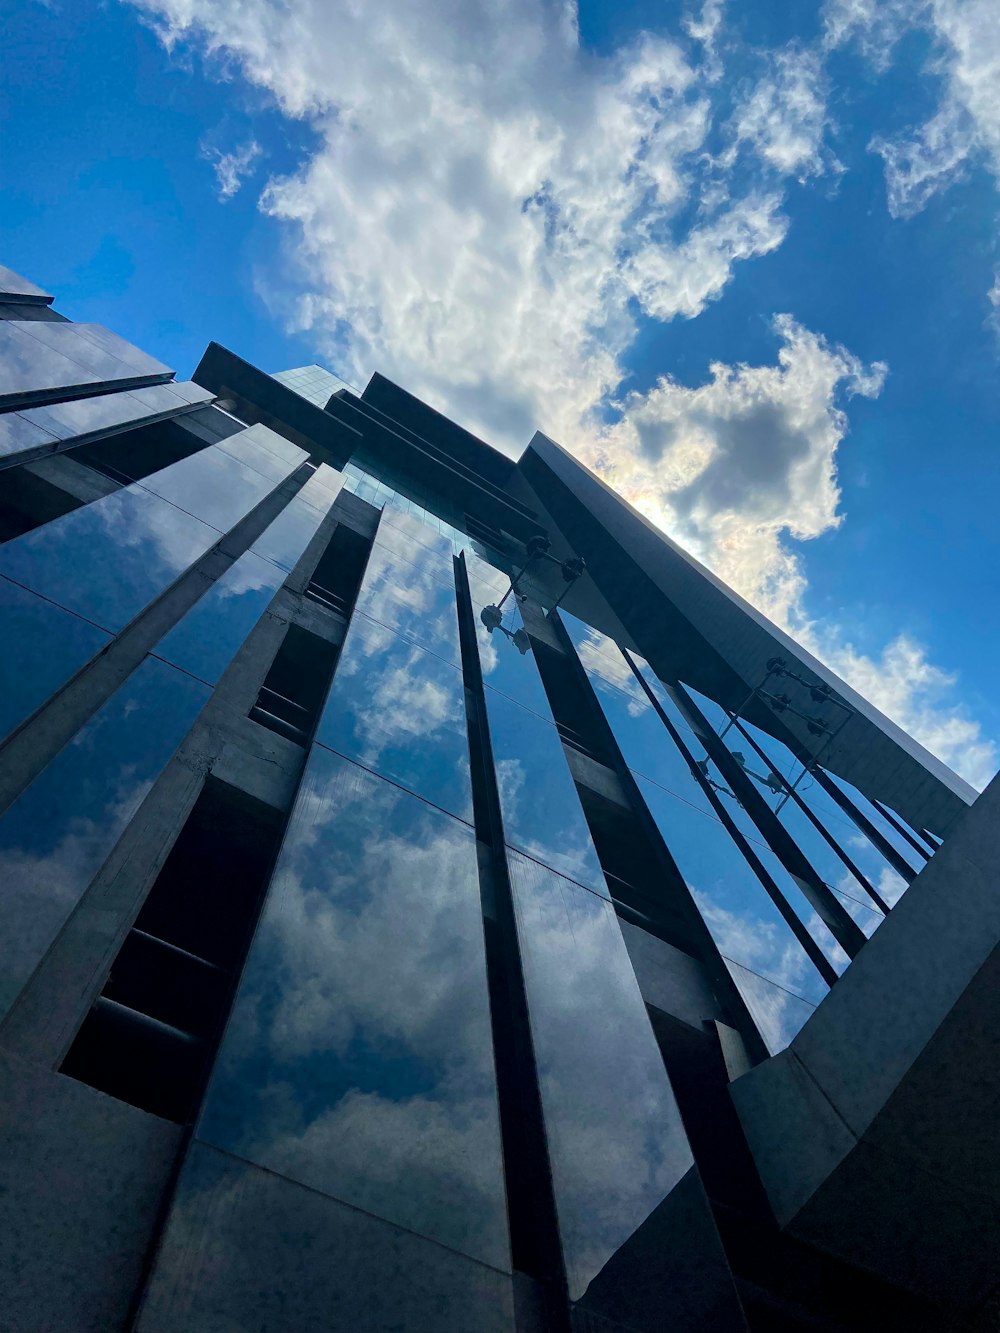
(875, 1132)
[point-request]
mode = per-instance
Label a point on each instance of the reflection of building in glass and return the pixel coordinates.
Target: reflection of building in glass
(433, 902)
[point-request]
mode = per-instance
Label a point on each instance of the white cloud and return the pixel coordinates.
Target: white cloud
(735, 465)
(993, 296)
(490, 210)
(965, 58)
(783, 117)
(917, 168)
(231, 169)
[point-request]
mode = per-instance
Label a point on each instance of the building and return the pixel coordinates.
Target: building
(432, 901)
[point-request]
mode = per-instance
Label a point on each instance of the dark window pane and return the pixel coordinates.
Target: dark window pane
(542, 815)
(56, 836)
(208, 637)
(616, 1143)
(287, 537)
(45, 646)
(358, 1060)
(400, 711)
(109, 559)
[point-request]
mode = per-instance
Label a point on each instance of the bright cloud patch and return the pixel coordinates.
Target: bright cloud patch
(231, 169)
(492, 212)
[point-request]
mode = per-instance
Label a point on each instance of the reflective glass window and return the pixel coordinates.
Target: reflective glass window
(780, 763)
(222, 483)
(541, 809)
(741, 917)
(875, 816)
(56, 836)
(312, 382)
(400, 711)
(19, 432)
(358, 1059)
(778, 1013)
(285, 540)
(504, 666)
(415, 598)
(265, 451)
(207, 638)
(82, 416)
(644, 741)
(809, 841)
(36, 356)
(617, 1147)
(90, 340)
(44, 647)
(737, 909)
(12, 284)
(835, 874)
(109, 559)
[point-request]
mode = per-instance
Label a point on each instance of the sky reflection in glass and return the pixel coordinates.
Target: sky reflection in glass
(504, 667)
(542, 815)
(222, 483)
(284, 540)
(744, 922)
(778, 1013)
(45, 646)
(207, 638)
(55, 837)
(38, 356)
(358, 1060)
(413, 596)
(109, 559)
(892, 835)
(828, 865)
(400, 711)
(596, 1054)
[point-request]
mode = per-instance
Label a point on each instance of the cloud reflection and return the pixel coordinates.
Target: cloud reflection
(359, 1058)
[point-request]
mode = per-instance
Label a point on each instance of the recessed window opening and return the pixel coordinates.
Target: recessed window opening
(572, 710)
(633, 873)
(27, 502)
(294, 688)
(337, 577)
(135, 454)
(151, 1034)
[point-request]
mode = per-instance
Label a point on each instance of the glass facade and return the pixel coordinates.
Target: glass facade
(749, 929)
(426, 995)
(358, 1060)
(596, 1055)
(312, 382)
(55, 837)
(47, 645)
(397, 705)
(107, 560)
(39, 360)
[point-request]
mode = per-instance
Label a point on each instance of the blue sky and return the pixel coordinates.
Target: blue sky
(535, 216)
